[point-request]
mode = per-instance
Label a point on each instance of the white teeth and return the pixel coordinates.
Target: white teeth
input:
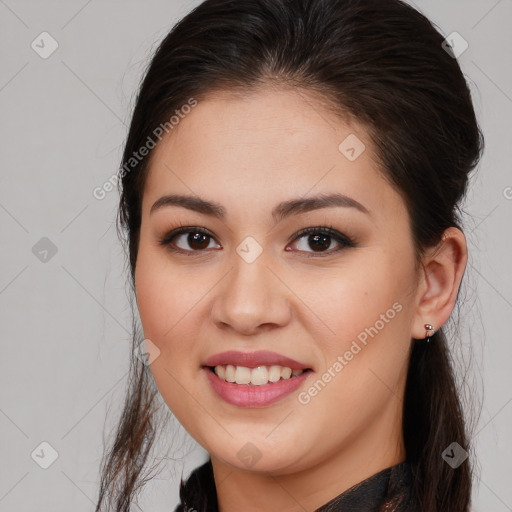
(221, 372)
(230, 373)
(274, 373)
(256, 376)
(242, 375)
(259, 376)
(286, 373)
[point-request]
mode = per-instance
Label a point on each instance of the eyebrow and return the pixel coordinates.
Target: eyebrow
(280, 212)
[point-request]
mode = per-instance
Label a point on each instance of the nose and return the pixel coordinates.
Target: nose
(251, 298)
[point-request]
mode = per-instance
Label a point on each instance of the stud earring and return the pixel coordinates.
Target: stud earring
(428, 328)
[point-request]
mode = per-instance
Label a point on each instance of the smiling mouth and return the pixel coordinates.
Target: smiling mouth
(259, 376)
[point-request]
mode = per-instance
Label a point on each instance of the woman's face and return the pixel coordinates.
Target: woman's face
(342, 308)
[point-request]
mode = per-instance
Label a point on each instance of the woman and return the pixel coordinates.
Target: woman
(289, 194)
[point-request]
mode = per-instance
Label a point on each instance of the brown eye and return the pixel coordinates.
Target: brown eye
(318, 243)
(320, 239)
(197, 241)
(189, 239)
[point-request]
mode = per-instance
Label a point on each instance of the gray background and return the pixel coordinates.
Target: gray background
(66, 321)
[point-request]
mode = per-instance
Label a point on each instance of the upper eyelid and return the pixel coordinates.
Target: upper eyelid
(328, 230)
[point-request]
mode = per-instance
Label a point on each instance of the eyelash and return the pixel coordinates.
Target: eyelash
(342, 239)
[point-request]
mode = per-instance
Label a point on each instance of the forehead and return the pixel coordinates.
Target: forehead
(268, 144)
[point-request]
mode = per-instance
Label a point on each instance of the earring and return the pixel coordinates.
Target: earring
(428, 328)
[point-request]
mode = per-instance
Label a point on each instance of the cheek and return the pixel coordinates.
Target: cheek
(365, 320)
(153, 299)
(350, 299)
(164, 294)
(163, 301)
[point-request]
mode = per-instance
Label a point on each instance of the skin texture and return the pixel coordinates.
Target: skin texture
(248, 154)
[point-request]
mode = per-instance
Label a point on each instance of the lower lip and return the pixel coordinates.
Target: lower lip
(246, 395)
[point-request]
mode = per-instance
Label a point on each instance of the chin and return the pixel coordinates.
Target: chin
(252, 457)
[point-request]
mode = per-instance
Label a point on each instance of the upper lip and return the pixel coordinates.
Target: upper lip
(254, 359)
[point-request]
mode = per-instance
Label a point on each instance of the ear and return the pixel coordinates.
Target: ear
(442, 269)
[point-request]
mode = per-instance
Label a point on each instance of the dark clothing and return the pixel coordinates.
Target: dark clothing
(386, 491)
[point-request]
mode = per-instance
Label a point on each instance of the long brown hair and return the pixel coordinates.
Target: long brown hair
(382, 62)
